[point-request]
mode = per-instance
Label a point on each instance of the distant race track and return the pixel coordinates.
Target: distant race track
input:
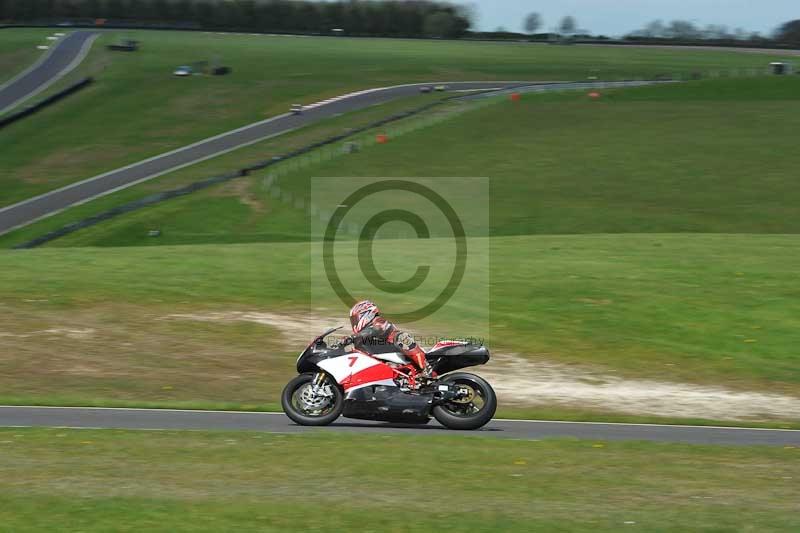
(168, 419)
(65, 55)
(27, 211)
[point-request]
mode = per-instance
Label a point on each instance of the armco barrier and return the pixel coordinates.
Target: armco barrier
(50, 100)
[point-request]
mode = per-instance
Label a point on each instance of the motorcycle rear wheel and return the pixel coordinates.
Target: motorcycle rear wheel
(472, 414)
(292, 404)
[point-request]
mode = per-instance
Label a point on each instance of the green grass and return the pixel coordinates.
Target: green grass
(686, 271)
(18, 50)
(92, 480)
(713, 309)
(667, 159)
(242, 157)
(156, 112)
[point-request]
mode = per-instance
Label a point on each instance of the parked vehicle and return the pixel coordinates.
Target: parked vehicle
(126, 45)
(183, 70)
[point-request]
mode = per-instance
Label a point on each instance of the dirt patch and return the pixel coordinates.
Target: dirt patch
(125, 352)
(81, 333)
(242, 189)
(527, 382)
(296, 330)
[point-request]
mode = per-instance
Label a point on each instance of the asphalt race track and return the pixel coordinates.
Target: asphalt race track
(46, 204)
(58, 61)
(165, 419)
(27, 211)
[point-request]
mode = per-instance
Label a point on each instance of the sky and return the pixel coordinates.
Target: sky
(618, 17)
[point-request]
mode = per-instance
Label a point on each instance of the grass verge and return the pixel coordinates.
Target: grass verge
(94, 480)
(248, 192)
(708, 309)
(160, 112)
(668, 159)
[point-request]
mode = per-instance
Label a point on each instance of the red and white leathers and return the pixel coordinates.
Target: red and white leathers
(373, 333)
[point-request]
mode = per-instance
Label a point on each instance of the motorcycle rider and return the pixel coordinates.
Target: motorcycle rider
(374, 334)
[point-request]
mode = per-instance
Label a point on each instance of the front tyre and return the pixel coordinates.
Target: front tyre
(309, 407)
(474, 409)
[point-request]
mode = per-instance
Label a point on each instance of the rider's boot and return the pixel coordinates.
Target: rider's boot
(420, 378)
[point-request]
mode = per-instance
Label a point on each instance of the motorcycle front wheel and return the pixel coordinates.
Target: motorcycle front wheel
(474, 410)
(306, 408)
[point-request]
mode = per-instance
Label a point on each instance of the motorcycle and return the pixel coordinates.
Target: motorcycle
(334, 382)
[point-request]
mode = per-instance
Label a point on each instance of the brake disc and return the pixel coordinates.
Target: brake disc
(466, 394)
(312, 400)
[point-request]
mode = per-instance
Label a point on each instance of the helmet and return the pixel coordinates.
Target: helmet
(362, 315)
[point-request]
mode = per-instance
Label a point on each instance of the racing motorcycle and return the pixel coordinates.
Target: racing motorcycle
(334, 382)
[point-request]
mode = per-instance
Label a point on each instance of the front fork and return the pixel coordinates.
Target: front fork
(317, 384)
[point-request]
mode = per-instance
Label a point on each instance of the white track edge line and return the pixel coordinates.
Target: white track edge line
(535, 421)
(146, 429)
(137, 409)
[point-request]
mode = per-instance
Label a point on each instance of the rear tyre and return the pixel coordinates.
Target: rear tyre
(304, 408)
(473, 411)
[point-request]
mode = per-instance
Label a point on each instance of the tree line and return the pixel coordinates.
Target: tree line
(411, 18)
(686, 30)
(391, 18)
(678, 30)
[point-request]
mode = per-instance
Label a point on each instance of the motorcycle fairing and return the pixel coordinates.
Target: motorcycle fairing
(355, 370)
(388, 404)
(310, 358)
(451, 355)
(447, 344)
(392, 357)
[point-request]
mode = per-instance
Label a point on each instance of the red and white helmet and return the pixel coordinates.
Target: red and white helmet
(362, 315)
